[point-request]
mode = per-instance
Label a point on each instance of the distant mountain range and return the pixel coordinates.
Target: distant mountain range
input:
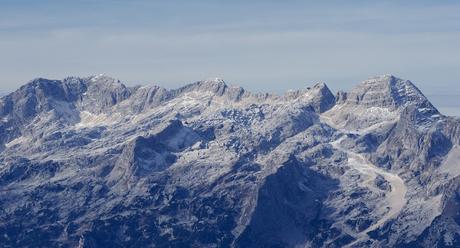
(90, 162)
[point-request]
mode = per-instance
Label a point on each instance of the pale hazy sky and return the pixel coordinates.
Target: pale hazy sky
(260, 45)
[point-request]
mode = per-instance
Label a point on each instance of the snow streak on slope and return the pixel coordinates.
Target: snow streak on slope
(395, 199)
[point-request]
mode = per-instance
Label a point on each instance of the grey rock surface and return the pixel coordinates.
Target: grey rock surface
(89, 162)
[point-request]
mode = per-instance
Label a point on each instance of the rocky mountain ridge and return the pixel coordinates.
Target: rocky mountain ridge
(90, 162)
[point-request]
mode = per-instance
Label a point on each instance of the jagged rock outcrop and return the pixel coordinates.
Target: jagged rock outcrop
(89, 162)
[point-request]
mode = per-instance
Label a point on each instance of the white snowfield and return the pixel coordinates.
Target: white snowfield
(88, 120)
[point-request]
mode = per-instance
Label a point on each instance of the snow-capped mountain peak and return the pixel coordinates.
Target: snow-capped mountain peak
(386, 91)
(380, 99)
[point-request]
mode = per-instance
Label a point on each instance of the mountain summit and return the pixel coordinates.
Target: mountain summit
(386, 91)
(90, 162)
(378, 100)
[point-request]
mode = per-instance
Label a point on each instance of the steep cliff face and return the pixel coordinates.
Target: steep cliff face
(90, 162)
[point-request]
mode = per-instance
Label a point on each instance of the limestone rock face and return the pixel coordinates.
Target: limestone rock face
(379, 100)
(89, 162)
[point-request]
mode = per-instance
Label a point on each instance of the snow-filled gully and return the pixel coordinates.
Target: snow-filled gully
(395, 199)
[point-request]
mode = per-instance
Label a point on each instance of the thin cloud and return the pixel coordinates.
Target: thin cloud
(262, 45)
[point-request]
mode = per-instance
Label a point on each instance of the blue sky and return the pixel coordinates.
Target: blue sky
(260, 45)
